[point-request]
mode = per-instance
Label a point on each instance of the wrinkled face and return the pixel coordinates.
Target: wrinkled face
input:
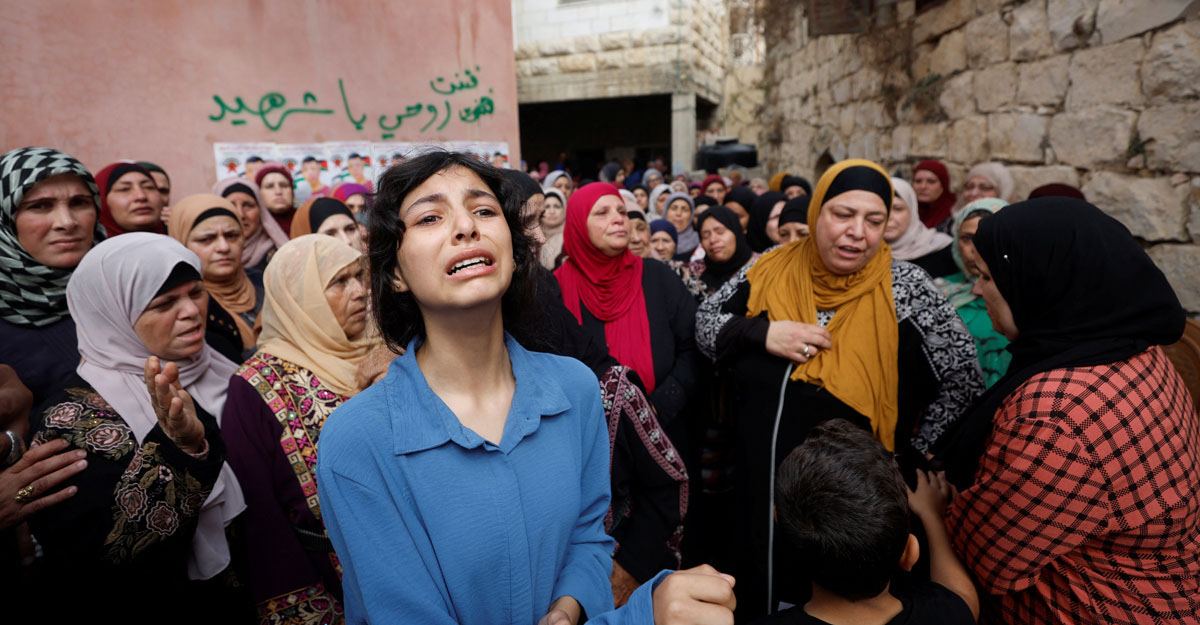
(997, 307)
(172, 326)
(653, 178)
(344, 229)
(218, 243)
(456, 253)
(899, 220)
(163, 184)
(849, 230)
(531, 216)
(639, 237)
(356, 167)
(248, 210)
(966, 245)
(662, 246)
(719, 242)
(346, 294)
(742, 214)
(978, 187)
(773, 221)
(55, 221)
(679, 213)
(792, 231)
(793, 192)
(563, 183)
(927, 186)
(277, 193)
(134, 202)
(643, 199)
(716, 191)
(553, 213)
(357, 203)
(607, 226)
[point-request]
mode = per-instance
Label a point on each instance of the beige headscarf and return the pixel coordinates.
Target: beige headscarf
(297, 324)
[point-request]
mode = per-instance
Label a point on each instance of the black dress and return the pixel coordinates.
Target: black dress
(44, 358)
(939, 377)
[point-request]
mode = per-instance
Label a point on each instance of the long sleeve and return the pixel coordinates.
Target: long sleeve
(723, 330)
(672, 393)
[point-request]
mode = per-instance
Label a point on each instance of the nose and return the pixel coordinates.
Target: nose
(857, 228)
(464, 225)
(222, 243)
(64, 219)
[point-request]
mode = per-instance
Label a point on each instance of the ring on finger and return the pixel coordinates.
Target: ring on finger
(805, 352)
(25, 495)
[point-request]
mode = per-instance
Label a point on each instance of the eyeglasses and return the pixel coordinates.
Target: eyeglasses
(979, 186)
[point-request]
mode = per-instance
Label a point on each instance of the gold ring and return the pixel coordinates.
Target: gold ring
(25, 495)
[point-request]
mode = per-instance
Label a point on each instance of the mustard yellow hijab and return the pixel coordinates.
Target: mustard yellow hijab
(792, 283)
(297, 324)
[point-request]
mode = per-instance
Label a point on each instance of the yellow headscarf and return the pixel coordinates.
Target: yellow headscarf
(792, 283)
(777, 180)
(297, 324)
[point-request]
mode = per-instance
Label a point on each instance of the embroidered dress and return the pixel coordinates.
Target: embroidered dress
(272, 421)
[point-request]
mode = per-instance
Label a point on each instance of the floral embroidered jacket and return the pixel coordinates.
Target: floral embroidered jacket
(272, 420)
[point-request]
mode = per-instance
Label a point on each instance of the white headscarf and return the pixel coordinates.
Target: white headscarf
(109, 290)
(548, 182)
(652, 206)
(919, 239)
(997, 174)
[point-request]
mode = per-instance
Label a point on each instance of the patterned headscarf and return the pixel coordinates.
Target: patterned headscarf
(32, 294)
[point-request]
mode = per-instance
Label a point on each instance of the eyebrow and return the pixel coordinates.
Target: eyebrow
(441, 197)
(35, 199)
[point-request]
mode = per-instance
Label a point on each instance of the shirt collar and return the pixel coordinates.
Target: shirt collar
(421, 420)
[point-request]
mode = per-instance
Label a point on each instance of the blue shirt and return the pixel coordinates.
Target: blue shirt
(434, 524)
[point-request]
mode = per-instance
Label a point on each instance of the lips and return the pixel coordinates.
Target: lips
(66, 242)
(469, 262)
(193, 333)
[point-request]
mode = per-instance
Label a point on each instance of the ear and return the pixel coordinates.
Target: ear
(399, 282)
(912, 552)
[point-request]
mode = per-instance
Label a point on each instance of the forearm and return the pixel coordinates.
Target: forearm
(944, 566)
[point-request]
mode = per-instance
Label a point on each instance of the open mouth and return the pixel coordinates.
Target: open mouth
(476, 261)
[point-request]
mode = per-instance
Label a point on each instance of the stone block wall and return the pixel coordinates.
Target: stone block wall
(1100, 94)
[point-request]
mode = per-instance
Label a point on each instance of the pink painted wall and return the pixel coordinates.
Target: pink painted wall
(105, 81)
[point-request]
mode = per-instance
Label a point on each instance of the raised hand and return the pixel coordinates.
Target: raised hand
(173, 406)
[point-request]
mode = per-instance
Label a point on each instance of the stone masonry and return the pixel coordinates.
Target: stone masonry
(1100, 94)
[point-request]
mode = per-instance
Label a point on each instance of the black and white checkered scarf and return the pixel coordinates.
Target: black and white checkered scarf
(32, 294)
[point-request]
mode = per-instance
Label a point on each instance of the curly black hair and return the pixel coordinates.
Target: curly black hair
(395, 311)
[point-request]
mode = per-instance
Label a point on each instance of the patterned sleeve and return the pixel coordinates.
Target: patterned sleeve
(722, 327)
(1038, 495)
(948, 348)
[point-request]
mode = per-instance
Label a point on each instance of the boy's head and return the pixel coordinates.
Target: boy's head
(841, 500)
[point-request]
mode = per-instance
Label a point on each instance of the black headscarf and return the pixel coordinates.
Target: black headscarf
(715, 274)
(1082, 293)
(796, 210)
(793, 181)
(743, 196)
(760, 214)
(324, 208)
(524, 184)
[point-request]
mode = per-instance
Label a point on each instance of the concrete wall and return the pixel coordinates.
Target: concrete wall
(1101, 94)
(136, 80)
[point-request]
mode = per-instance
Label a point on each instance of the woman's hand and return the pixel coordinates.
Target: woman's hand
(564, 611)
(795, 341)
(933, 493)
(173, 406)
(26, 487)
(623, 584)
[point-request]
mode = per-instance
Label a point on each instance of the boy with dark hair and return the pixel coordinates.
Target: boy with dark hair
(840, 499)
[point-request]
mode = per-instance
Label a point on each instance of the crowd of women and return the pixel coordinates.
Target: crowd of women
(543, 399)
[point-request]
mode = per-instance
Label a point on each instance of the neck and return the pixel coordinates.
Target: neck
(834, 609)
(465, 340)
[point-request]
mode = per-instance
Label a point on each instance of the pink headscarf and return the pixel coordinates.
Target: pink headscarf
(269, 235)
(107, 293)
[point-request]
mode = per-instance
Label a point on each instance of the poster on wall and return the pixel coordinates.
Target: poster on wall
(351, 161)
(242, 159)
(310, 167)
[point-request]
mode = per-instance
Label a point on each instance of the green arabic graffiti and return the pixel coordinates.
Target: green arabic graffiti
(273, 109)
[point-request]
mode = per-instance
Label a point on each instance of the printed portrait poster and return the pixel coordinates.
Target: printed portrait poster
(232, 158)
(351, 161)
(310, 166)
(387, 153)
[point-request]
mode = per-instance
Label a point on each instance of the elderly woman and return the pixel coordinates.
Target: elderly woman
(794, 186)
(152, 505)
(129, 199)
(679, 210)
(714, 187)
(912, 240)
(210, 227)
(831, 327)
(354, 195)
(1078, 470)
(986, 180)
(990, 345)
(663, 239)
(554, 217)
(935, 200)
(639, 234)
(793, 220)
(657, 205)
(260, 237)
(561, 180)
(49, 218)
(328, 216)
(274, 180)
(314, 335)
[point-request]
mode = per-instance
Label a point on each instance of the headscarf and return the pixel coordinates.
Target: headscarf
(678, 186)
(610, 288)
(630, 200)
(554, 236)
(346, 189)
(688, 238)
(608, 173)
(711, 178)
(109, 290)
(795, 210)
(651, 206)
(662, 225)
(919, 239)
(284, 221)
(105, 179)
(525, 185)
(937, 211)
(269, 235)
(792, 283)
(151, 167)
(297, 324)
(272, 167)
(1057, 189)
(236, 294)
(760, 214)
(1066, 317)
(998, 175)
(549, 180)
(959, 293)
(716, 273)
(33, 295)
(651, 173)
(313, 213)
(795, 181)
(776, 181)
(744, 197)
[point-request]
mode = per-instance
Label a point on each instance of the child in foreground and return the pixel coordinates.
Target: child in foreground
(840, 498)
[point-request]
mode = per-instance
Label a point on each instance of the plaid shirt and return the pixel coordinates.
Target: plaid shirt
(1085, 508)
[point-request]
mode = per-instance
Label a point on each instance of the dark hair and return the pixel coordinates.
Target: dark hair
(308, 159)
(254, 159)
(396, 312)
(977, 213)
(841, 500)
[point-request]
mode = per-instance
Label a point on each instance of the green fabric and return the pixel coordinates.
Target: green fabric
(990, 345)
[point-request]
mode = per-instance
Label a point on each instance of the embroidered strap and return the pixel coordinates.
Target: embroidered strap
(313, 605)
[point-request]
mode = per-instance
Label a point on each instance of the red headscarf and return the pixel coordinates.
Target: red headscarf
(711, 178)
(285, 220)
(105, 179)
(937, 211)
(610, 288)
